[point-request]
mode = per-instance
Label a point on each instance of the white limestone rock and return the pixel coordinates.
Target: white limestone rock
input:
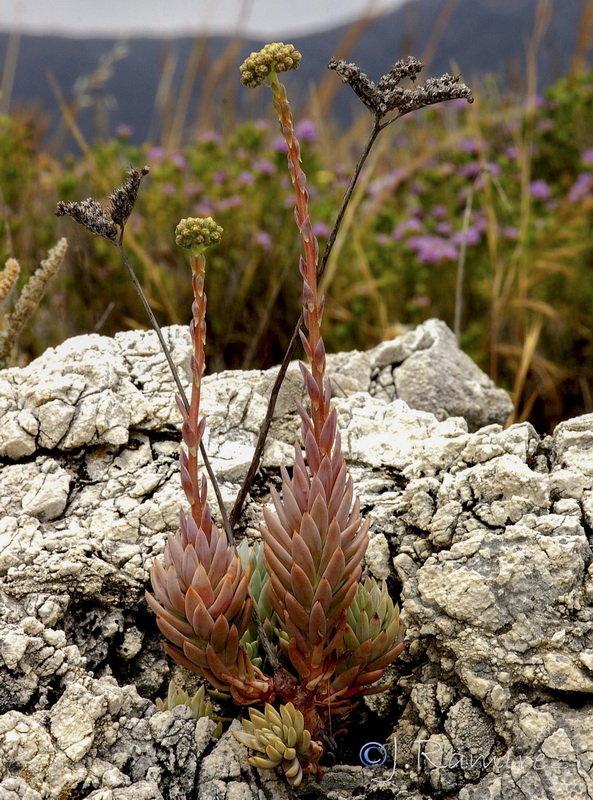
(486, 534)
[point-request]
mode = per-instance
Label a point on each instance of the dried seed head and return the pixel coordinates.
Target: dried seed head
(196, 234)
(91, 215)
(388, 96)
(276, 57)
(104, 222)
(121, 202)
(8, 277)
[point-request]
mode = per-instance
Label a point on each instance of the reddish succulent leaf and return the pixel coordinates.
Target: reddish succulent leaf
(273, 564)
(189, 565)
(312, 452)
(319, 514)
(201, 621)
(240, 597)
(296, 612)
(175, 551)
(317, 624)
(291, 508)
(181, 625)
(323, 594)
(220, 634)
(224, 597)
(202, 586)
(301, 586)
(158, 578)
(328, 432)
(220, 557)
(344, 681)
(301, 553)
(355, 550)
(311, 538)
(176, 596)
(331, 544)
(334, 572)
(170, 632)
(278, 539)
(385, 660)
(297, 660)
(342, 484)
(278, 505)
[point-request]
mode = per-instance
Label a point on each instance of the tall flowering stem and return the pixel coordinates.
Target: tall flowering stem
(201, 589)
(313, 304)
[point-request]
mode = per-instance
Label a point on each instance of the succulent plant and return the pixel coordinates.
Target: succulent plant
(282, 739)
(202, 599)
(294, 607)
(198, 704)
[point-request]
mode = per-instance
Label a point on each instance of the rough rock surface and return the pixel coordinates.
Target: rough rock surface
(484, 535)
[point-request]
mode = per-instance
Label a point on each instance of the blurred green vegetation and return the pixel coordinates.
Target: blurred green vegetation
(504, 188)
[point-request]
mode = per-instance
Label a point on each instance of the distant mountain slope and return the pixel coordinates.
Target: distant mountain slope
(476, 37)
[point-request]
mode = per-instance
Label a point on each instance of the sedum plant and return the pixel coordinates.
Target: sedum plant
(286, 624)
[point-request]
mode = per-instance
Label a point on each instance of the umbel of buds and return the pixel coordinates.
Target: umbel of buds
(197, 234)
(277, 57)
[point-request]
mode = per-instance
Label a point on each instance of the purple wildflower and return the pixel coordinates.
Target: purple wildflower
(321, 230)
(469, 145)
(510, 232)
(279, 145)
(210, 137)
(587, 156)
(264, 167)
(471, 236)
(421, 300)
(471, 170)
(410, 225)
(432, 249)
(439, 211)
(263, 239)
(443, 228)
(540, 190)
(178, 159)
(226, 203)
(246, 178)
(581, 188)
(306, 130)
(124, 131)
(155, 154)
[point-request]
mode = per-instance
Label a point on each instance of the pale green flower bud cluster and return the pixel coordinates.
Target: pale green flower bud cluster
(276, 57)
(197, 233)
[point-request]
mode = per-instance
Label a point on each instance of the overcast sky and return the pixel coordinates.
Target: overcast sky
(168, 17)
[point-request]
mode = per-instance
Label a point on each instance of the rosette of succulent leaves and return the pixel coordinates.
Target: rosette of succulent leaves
(286, 624)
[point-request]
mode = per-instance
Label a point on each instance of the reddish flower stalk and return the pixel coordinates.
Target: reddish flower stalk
(313, 304)
(202, 602)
